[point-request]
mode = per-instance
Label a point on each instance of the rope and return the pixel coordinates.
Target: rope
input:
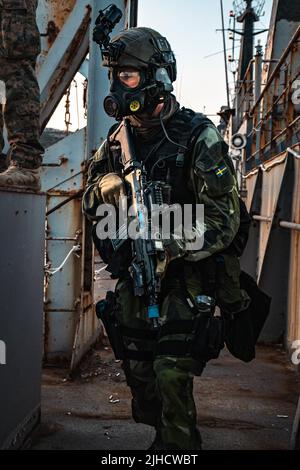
(53, 271)
(101, 269)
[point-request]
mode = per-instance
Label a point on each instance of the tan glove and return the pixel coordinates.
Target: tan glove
(162, 263)
(112, 188)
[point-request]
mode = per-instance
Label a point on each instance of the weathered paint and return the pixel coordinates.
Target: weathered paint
(271, 185)
(285, 18)
(273, 125)
(21, 319)
(64, 230)
(275, 117)
(97, 126)
(250, 181)
(51, 16)
(70, 322)
(293, 333)
(57, 69)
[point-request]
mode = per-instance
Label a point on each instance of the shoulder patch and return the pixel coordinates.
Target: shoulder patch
(221, 170)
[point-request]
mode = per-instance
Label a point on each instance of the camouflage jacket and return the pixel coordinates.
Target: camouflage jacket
(19, 34)
(211, 178)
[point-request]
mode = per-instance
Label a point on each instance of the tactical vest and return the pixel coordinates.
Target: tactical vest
(169, 163)
(165, 161)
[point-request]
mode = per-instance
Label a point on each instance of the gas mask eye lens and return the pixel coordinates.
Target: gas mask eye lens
(129, 78)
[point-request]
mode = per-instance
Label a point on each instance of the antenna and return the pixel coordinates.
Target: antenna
(247, 12)
(224, 47)
(239, 6)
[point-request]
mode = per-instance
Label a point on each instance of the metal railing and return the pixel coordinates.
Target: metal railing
(275, 115)
(272, 110)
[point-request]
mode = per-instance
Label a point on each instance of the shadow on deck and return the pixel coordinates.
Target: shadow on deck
(240, 406)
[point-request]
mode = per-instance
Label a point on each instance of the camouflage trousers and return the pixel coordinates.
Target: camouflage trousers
(162, 389)
(21, 112)
(19, 47)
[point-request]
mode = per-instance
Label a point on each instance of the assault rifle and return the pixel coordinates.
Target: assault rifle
(145, 248)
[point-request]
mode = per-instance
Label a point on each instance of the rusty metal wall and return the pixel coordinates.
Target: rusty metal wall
(274, 268)
(285, 19)
(51, 17)
(22, 244)
(63, 180)
(293, 331)
(58, 64)
(271, 185)
(271, 173)
(267, 256)
(98, 124)
(71, 326)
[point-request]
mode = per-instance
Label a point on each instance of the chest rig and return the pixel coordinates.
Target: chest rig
(167, 162)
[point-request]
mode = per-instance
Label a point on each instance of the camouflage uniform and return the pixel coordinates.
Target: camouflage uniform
(162, 389)
(19, 48)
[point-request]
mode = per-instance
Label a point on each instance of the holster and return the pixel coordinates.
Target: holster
(208, 330)
(106, 311)
(208, 337)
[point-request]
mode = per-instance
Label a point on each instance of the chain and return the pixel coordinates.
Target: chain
(77, 104)
(85, 101)
(67, 112)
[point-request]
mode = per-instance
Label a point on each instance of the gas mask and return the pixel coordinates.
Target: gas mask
(141, 63)
(135, 91)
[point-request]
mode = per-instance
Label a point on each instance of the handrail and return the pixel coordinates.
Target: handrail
(277, 68)
(274, 138)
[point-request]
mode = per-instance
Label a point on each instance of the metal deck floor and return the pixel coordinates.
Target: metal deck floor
(240, 406)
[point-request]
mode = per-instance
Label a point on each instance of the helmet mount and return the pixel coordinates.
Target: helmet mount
(140, 48)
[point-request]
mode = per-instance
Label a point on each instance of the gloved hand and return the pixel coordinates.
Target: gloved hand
(162, 262)
(174, 248)
(112, 188)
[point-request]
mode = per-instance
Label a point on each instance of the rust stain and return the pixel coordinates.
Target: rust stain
(58, 192)
(294, 289)
(275, 106)
(61, 9)
(52, 32)
(70, 54)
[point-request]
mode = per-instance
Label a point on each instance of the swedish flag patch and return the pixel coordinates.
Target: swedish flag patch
(221, 170)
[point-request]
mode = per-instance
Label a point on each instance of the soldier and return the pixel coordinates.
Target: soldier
(19, 48)
(141, 71)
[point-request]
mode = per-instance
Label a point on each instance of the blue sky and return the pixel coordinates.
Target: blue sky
(190, 26)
